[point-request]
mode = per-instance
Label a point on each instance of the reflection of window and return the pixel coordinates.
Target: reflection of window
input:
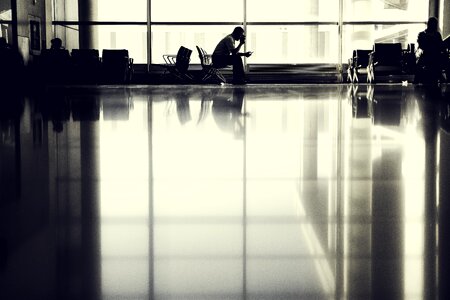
(5, 14)
(396, 4)
(388, 10)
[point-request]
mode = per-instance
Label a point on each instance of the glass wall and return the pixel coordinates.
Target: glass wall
(5, 19)
(278, 32)
(64, 10)
(390, 21)
(216, 11)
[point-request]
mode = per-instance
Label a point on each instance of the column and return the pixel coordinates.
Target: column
(87, 12)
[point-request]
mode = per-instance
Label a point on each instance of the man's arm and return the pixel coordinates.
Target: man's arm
(236, 50)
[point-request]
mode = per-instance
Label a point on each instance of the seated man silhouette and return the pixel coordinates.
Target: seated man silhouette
(55, 62)
(226, 53)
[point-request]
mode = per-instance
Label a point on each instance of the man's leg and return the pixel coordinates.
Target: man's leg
(221, 61)
(238, 69)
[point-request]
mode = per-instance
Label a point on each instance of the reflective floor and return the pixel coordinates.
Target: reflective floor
(222, 192)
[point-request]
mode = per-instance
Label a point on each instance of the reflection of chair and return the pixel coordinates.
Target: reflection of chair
(178, 65)
(358, 62)
(209, 71)
(117, 66)
(85, 107)
(387, 105)
(116, 104)
(86, 65)
(385, 59)
(361, 104)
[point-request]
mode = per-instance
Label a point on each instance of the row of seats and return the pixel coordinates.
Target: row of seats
(387, 59)
(58, 66)
(177, 66)
(384, 59)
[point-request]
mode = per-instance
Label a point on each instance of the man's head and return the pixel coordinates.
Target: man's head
(237, 33)
(432, 24)
(56, 43)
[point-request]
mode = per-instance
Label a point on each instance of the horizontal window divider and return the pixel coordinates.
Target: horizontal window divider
(68, 23)
(383, 22)
(197, 23)
(293, 23)
(5, 21)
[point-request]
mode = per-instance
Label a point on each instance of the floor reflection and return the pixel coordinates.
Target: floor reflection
(222, 192)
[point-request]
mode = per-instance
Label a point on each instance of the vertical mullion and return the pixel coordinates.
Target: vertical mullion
(149, 34)
(340, 38)
(245, 29)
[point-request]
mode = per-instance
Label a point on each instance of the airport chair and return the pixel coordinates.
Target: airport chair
(177, 65)
(409, 59)
(117, 66)
(55, 66)
(86, 65)
(208, 69)
(358, 64)
(385, 59)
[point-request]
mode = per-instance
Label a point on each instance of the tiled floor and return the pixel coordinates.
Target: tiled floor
(225, 192)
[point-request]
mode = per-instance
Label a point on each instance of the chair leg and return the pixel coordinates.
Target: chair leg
(220, 76)
(369, 74)
(207, 74)
(349, 75)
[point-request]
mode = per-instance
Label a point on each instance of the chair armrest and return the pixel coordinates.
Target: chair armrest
(170, 59)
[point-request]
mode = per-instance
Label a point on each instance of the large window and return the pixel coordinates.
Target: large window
(279, 32)
(293, 11)
(388, 21)
(197, 11)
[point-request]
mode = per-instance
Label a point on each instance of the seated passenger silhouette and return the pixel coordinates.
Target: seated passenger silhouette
(429, 65)
(55, 63)
(226, 53)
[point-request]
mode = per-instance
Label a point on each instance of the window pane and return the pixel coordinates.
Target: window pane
(65, 10)
(167, 39)
(364, 36)
(132, 37)
(5, 10)
(197, 11)
(292, 10)
(385, 10)
(293, 44)
(119, 10)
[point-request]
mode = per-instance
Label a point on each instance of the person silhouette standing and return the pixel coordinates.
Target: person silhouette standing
(430, 44)
(11, 66)
(226, 54)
